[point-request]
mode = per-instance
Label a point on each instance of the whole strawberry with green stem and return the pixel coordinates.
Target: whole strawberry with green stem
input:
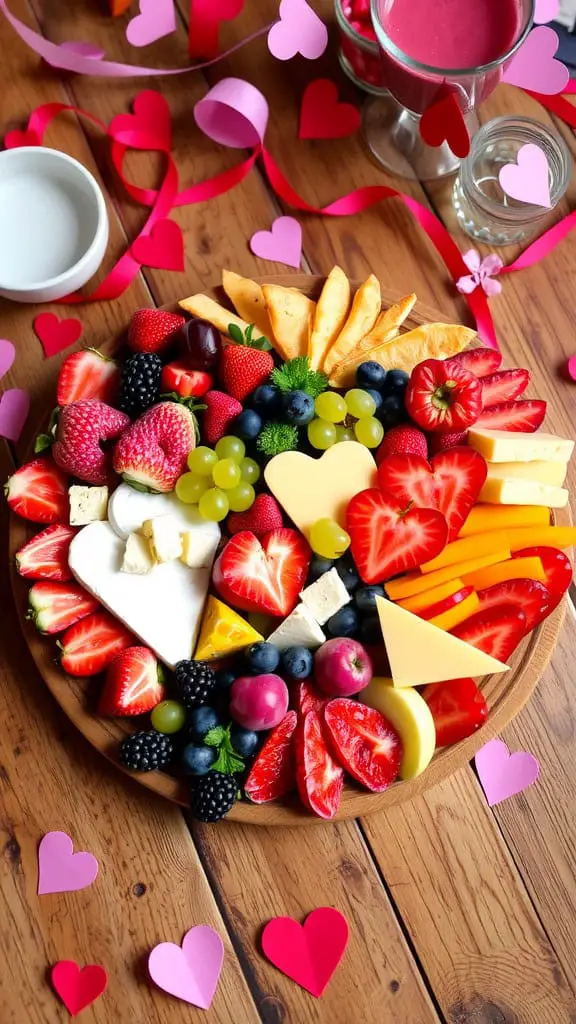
(244, 364)
(152, 452)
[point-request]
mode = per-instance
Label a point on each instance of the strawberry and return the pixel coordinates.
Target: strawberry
(243, 368)
(82, 427)
(442, 442)
(497, 631)
(443, 396)
(55, 606)
(150, 330)
(458, 708)
(273, 773)
(529, 595)
(91, 645)
(403, 440)
(557, 568)
(264, 515)
(45, 557)
(386, 539)
(308, 698)
(480, 361)
(504, 386)
(38, 491)
(134, 684)
(409, 480)
(524, 415)
(365, 742)
(221, 409)
(153, 450)
(179, 379)
(264, 575)
(320, 779)
(87, 374)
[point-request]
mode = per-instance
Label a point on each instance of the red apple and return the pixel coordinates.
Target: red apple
(342, 667)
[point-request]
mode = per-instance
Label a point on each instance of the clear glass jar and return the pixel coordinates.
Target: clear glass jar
(358, 55)
(483, 209)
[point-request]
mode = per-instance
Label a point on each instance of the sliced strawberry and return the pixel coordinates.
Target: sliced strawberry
(38, 491)
(480, 361)
(308, 698)
(444, 606)
(529, 595)
(524, 415)
(91, 645)
(87, 374)
(409, 479)
(134, 683)
(504, 386)
(320, 780)
(56, 606)
(273, 773)
(179, 379)
(387, 540)
(497, 631)
(366, 743)
(458, 708)
(263, 574)
(459, 474)
(45, 557)
(558, 570)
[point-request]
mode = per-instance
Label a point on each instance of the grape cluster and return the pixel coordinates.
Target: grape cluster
(221, 479)
(387, 388)
(345, 418)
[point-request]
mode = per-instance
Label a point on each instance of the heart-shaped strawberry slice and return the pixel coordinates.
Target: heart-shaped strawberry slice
(388, 538)
(263, 575)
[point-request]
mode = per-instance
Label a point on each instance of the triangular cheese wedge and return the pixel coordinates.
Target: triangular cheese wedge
(420, 653)
(223, 632)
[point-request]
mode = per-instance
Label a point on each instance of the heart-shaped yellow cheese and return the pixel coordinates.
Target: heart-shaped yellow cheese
(311, 489)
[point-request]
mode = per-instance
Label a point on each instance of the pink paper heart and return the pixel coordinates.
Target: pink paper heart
(533, 66)
(7, 356)
(55, 334)
(528, 179)
(299, 30)
(283, 243)
(17, 138)
(571, 368)
(60, 869)
(14, 408)
(545, 10)
(322, 116)
(503, 774)
(163, 248)
(308, 953)
(157, 19)
(148, 127)
(191, 971)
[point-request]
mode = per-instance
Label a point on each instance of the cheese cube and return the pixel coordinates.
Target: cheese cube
(326, 596)
(523, 492)
(198, 548)
(87, 505)
(164, 535)
(509, 446)
(299, 629)
(552, 473)
(137, 555)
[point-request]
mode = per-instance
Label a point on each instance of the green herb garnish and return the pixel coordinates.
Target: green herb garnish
(296, 375)
(276, 438)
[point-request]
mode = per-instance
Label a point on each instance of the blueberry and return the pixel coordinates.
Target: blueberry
(200, 720)
(247, 425)
(297, 662)
(392, 411)
(262, 658)
(244, 741)
(266, 400)
(298, 408)
(365, 599)
(370, 375)
(371, 630)
(396, 381)
(318, 566)
(377, 396)
(198, 760)
(224, 678)
(343, 623)
(348, 573)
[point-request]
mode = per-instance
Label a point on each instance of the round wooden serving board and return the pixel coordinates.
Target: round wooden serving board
(506, 693)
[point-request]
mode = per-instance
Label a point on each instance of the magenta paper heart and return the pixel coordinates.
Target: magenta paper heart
(189, 972)
(299, 30)
(321, 114)
(545, 10)
(528, 179)
(283, 243)
(163, 248)
(503, 774)
(16, 138)
(533, 66)
(60, 869)
(157, 19)
(7, 356)
(149, 127)
(14, 408)
(308, 953)
(204, 24)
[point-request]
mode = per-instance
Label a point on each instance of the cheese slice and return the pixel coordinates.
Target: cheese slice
(421, 653)
(509, 446)
(523, 492)
(551, 473)
(299, 629)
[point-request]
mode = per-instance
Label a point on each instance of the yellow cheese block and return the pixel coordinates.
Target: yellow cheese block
(523, 492)
(410, 715)
(509, 446)
(223, 632)
(420, 653)
(485, 518)
(552, 473)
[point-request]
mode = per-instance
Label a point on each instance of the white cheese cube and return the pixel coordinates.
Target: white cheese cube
(326, 596)
(87, 504)
(299, 629)
(164, 535)
(137, 555)
(198, 548)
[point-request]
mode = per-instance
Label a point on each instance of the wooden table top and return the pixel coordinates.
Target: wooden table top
(457, 913)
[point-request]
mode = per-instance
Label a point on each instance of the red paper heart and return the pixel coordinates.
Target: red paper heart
(148, 127)
(55, 334)
(163, 248)
(16, 138)
(78, 988)
(205, 19)
(322, 116)
(308, 953)
(443, 121)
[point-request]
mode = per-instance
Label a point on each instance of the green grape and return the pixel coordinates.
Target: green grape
(359, 403)
(241, 497)
(230, 448)
(214, 505)
(202, 460)
(330, 406)
(344, 434)
(321, 434)
(168, 716)
(190, 488)
(226, 474)
(250, 471)
(369, 432)
(328, 539)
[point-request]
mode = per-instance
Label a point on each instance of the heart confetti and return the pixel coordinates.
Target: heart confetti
(528, 179)
(56, 335)
(443, 121)
(534, 67)
(283, 243)
(163, 248)
(157, 18)
(16, 138)
(148, 127)
(503, 774)
(14, 409)
(191, 971)
(62, 870)
(7, 356)
(78, 988)
(571, 368)
(204, 24)
(299, 30)
(322, 116)
(308, 953)
(545, 11)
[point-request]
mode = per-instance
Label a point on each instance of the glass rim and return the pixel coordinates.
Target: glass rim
(362, 41)
(416, 65)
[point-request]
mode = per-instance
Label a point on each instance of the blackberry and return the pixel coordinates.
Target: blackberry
(213, 796)
(140, 384)
(195, 682)
(146, 751)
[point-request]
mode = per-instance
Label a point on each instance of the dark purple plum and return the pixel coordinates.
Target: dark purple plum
(199, 344)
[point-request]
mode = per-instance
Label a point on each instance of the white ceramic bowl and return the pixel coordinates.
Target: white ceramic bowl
(53, 224)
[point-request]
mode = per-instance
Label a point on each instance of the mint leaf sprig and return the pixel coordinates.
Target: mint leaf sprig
(247, 337)
(296, 375)
(228, 761)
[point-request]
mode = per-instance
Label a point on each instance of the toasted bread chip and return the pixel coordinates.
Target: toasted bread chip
(290, 314)
(331, 314)
(386, 327)
(247, 298)
(431, 341)
(361, 320)
(208, 309)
